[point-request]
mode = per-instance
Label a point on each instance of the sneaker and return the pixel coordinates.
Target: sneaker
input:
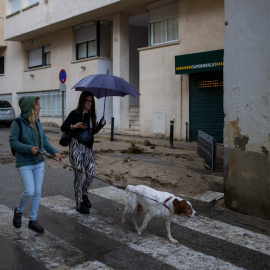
(33, 225)
(17, 219)
(86, 201)
(83, 209)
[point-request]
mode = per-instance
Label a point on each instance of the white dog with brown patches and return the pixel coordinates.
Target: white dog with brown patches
(154, 203)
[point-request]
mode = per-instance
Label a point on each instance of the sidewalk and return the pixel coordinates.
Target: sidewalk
(154, 141)
(138, 139)
(174, 170)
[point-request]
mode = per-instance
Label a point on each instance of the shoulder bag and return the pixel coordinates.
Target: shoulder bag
(65, 138)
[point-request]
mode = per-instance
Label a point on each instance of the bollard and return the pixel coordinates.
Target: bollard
(63, 106)
(171, 133)
(187, 132)
(112, 128)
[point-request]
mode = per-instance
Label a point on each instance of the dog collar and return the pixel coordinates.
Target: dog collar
(164, 203)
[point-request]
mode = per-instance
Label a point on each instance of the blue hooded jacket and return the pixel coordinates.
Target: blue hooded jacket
(23, 156)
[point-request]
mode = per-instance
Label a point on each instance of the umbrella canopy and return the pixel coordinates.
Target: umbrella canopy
(104, 85)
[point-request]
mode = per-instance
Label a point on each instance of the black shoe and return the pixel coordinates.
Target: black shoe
(83, 209)
(17, 219)
(33, 225)
(86, 201)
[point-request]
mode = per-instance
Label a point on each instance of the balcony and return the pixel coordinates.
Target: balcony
(2, 42)
(48, 16)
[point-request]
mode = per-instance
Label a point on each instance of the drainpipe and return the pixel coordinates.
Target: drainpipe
(181, 108)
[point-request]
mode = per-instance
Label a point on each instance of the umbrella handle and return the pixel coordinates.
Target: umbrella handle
(104, 104)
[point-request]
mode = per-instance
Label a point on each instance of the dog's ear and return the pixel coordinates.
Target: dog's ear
(179, 206)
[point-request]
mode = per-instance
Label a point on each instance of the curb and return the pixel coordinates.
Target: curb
(138, 142)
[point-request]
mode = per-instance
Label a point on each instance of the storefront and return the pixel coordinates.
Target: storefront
(205, 92)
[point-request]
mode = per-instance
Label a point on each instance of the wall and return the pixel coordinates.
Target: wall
(13, 83)
(201, 28)
(2, 42)
(246, 105)
(138, 37)
(49, 16)
(17, 76)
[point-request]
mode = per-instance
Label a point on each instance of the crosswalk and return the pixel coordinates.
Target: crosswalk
(53, 252)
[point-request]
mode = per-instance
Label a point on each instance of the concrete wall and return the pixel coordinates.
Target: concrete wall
(201, 28)
(17, 75)
(138, 37)
(2, 42)
(13, 83)
(50, 16)
(246, 105)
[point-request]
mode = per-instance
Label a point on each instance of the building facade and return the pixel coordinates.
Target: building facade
(149, 43)
(246, 105)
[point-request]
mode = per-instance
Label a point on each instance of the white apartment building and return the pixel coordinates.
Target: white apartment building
(171, 51)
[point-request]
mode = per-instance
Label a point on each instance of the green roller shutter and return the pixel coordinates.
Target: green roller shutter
(206, 105)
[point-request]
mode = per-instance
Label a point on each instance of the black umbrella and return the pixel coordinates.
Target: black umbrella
(103, 85)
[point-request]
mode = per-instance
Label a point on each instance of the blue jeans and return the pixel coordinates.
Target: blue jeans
(32, 178)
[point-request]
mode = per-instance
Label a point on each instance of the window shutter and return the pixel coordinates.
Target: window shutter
(86, 34)
(35, 57)
(47, 48)
(163, 12)
(31, 2)
(15, 5)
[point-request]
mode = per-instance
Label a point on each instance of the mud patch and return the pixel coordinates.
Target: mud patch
(6, 160)
(133, 149)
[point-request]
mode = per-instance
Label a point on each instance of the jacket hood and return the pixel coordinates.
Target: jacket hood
(26, 104)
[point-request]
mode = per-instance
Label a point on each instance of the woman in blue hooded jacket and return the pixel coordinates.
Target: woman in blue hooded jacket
(26, 139)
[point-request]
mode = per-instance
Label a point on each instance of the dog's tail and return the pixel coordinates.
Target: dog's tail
(131, 199)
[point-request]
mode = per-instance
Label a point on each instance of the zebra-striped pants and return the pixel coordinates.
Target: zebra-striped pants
(81, 157)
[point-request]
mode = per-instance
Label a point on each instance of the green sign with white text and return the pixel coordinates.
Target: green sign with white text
(199, 62)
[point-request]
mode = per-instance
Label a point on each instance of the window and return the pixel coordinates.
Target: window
(93, 40)
(50, 102)
(39, 57)
(47, 55)
(14, 6)
(86, 45)
(163, 24)
(164, 31)
(2, 67)
(31, 2)
(7, 97)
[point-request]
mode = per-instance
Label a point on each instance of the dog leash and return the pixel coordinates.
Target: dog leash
(51, 157)
(163, 203)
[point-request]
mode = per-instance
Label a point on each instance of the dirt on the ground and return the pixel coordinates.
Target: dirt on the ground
(181, 172)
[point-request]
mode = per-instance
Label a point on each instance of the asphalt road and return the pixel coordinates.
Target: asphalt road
(217, 239)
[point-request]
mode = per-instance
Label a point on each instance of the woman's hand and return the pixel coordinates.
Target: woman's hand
(34, 150)
(79, 125)
(57, 155)
(102, 121)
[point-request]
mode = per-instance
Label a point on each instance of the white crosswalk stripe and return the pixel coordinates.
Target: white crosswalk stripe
(233, 234)
(55, 253)
(48, 249)
(95, 265)
(179, 256)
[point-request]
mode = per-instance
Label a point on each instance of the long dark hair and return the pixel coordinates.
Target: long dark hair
(80, 108)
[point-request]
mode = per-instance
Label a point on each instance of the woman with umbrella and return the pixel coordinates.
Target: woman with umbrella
(82, 123)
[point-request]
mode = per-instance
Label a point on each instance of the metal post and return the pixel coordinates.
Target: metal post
(171, 133)
(187, 132)
(112, 128)
(63, 108)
